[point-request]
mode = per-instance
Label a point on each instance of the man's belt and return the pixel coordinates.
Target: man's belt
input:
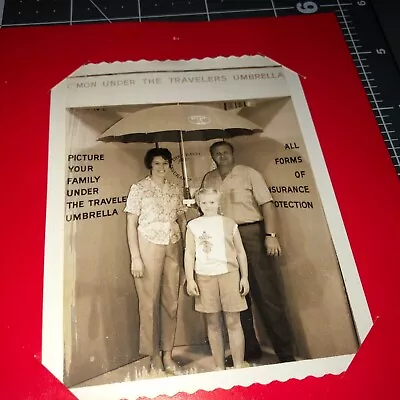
(250, 223)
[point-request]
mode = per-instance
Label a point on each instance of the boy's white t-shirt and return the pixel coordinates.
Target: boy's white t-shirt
(215, 249)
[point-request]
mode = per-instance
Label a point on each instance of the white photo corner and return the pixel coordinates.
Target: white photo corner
(90, 305)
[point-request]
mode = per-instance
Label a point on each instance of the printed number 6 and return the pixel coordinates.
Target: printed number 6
(308, 7)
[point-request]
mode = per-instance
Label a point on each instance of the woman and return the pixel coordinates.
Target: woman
(156, 224)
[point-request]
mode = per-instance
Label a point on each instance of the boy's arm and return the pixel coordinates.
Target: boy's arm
(190, 253)
(241, 254)
(242, 260)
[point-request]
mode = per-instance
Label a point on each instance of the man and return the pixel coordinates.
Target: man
(246, 199)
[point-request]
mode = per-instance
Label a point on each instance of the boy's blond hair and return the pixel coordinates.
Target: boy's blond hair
(203, 191)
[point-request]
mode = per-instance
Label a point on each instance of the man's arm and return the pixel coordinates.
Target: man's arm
(269, 215)
(272, 245)
(263, 197)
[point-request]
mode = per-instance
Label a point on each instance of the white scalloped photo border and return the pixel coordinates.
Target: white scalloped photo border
(119, 67)
(65, 95)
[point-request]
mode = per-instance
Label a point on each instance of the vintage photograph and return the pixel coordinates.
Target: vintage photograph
(197, 233)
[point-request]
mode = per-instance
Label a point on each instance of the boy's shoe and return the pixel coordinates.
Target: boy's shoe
(172, 368)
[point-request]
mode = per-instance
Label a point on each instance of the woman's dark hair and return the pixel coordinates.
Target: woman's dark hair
(157, 152)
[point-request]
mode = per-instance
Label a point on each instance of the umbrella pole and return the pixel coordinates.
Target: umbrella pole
(186, 190)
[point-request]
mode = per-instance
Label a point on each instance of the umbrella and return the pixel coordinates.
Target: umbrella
(178, 123)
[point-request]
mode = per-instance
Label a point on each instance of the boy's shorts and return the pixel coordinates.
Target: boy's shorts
(219, 293)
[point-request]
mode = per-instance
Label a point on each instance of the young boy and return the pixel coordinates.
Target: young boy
(216, 274)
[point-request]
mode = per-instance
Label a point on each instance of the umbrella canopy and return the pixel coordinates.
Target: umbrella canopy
(171, 123)
(179, 123)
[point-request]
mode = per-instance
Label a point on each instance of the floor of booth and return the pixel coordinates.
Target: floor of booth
(191, 359)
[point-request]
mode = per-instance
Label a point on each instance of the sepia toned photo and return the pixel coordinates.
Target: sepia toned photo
(193, 237)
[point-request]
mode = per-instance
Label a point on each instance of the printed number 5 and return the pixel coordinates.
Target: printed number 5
(308, 7)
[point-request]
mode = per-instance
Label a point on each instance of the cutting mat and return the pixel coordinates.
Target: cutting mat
(357, 18)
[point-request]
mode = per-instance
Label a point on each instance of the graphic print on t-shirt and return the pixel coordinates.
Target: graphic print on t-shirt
(205, 242)
(215, 249)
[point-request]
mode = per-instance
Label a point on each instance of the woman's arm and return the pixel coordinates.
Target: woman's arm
(137, 267)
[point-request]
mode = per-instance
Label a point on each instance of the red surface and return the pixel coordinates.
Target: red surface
(34, 59)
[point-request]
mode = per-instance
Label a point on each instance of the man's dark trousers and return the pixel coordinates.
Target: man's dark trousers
(265, 292)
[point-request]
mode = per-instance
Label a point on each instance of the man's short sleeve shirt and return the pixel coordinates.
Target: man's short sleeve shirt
(243, 191)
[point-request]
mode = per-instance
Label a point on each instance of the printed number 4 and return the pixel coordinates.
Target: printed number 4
(307, 7)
